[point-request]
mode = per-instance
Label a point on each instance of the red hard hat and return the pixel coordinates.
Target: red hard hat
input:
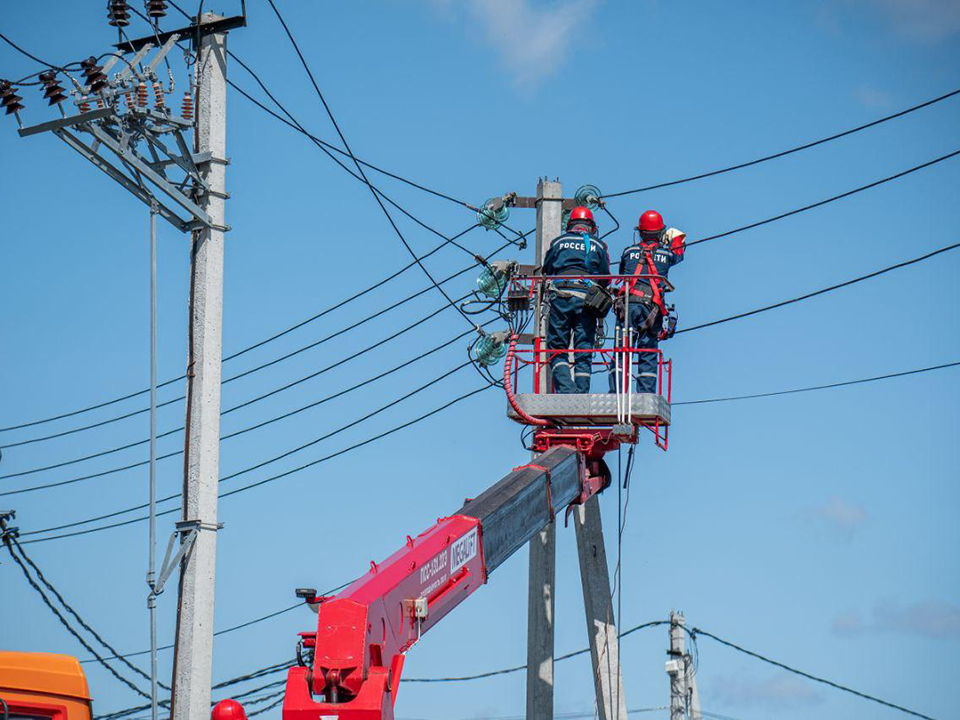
(650, 222)
(581, 213)
(228, 710)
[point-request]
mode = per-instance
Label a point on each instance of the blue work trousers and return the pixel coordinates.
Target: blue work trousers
(645, 323)
(567, 315)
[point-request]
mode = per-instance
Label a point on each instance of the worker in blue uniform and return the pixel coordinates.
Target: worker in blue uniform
(648, 260)
(578, 251)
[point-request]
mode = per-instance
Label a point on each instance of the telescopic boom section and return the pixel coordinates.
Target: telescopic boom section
(363, 632)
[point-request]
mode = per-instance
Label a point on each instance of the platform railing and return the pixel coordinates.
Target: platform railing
(618, 360)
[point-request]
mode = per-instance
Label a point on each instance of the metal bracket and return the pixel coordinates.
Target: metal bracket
(188, 530)
(146, 162)
(204, 28)
(61, 123)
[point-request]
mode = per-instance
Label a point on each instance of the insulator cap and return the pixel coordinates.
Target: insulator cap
(157, 8)
(9, 100)
(588, 195)
(52, 90)
(186, 109)
(118, 13)
(93, 74)
(493, 213)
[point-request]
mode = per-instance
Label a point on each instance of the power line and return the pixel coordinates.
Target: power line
(677, 403)
(719, 235)
(330, 146)
(369, 317)
(33, 57)
(783, 153)
(518, 668)
(225, 631)
(801, 673)
(63, 621)
(256, 674)
(325, 147)
(563, 715)
(271, 460)
(711, 237)
(245, 350)
(256, 484)
(247, 403)
(828, 200)
(824, 290)
(360, 169)
(820, 387)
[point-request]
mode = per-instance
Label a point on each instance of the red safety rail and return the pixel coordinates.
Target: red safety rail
(619, 358)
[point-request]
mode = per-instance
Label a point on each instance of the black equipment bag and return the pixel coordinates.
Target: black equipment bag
(598, 301)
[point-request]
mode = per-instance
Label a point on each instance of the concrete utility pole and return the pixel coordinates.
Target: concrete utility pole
(684, 696)
(193, 659)
(598, 604)
(543, 547)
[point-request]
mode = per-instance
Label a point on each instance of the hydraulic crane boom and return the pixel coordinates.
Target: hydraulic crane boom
(363, 632)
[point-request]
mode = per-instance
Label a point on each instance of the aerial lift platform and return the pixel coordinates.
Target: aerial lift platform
(350, 667)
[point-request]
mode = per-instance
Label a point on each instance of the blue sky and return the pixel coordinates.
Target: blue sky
(818, 529)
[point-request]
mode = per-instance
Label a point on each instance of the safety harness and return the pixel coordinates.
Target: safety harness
(646, 264)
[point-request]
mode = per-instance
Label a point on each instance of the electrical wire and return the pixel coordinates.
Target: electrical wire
(518, 668)
(360, 169)
(275, 458)
(63, 621)
(241, 626)
(823, 291)
(819, 387)
(262, 672)
(262, 366)
(808, 676)
(33, 57)
(86, 626)
(246, 403)
(273, 478)
(676, 403)
(243, 351)
(784, 153)
(749, 226)
(336, 149)
(811, 206)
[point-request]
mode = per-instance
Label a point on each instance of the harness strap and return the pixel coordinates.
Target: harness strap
(654, 282)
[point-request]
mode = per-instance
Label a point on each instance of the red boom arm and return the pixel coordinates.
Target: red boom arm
(363, 632)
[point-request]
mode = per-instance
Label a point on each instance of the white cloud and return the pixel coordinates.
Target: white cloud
(532, 38)
(779, 692)
(930, 619)
(838, 517)
(927, 21)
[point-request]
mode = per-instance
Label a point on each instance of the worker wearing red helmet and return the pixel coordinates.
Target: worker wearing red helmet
(648, 260)
(576, 252)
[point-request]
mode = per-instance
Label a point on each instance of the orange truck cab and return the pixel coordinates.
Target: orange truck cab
(43, 686)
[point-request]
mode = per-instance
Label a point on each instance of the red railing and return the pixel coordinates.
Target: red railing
(620, 359)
